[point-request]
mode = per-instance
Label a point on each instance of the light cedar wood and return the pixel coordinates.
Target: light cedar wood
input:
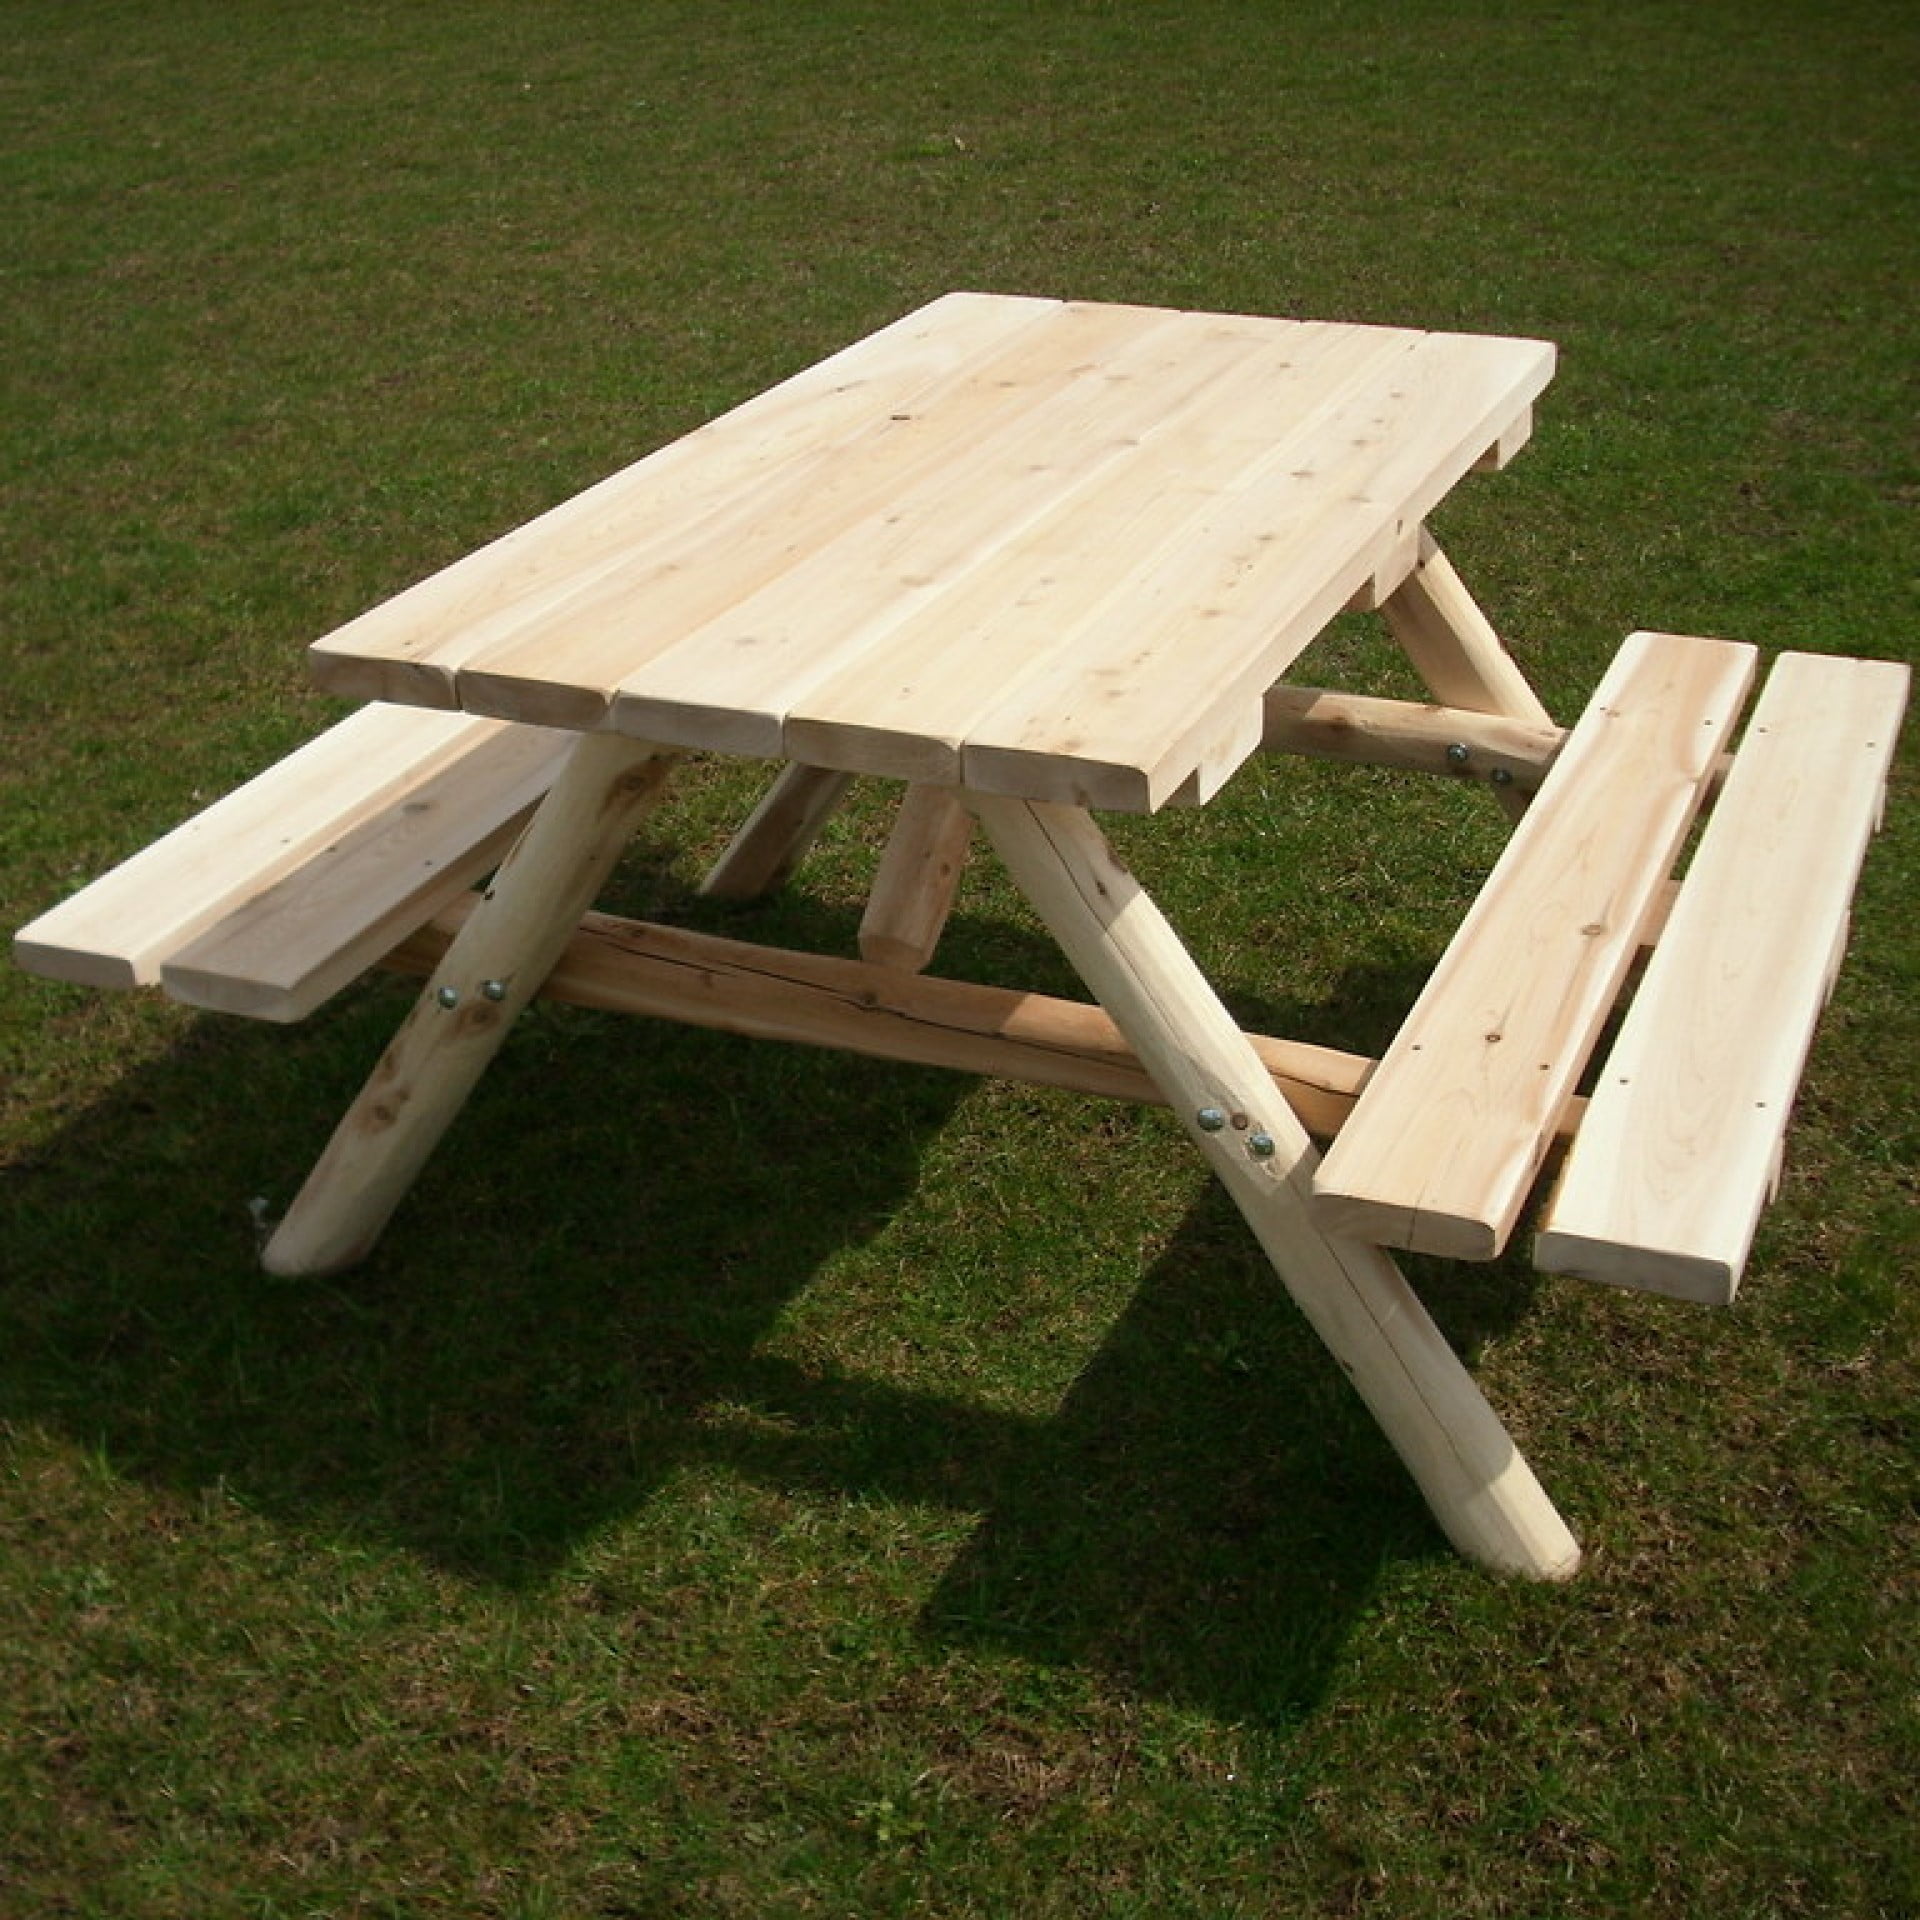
(980, 589)
(1503, 450)
(410, 805)
(504, 952)
(1452, 645)
(1033, 546)
(811, 999)
(1365, 731)
(1165, 687)
(705, 624)
(774, 838)
(294, 945)
(914, 887)
(412, 647)
(1447, 1139)
(1475, 1480)
(1681, 1143)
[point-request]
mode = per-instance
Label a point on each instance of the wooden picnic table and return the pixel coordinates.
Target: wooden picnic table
(1034, 558)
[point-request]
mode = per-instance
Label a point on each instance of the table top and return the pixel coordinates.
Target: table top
(1054, 549)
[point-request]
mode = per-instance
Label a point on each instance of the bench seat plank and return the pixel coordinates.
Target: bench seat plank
(429, 788)
(1680, 1143)
(1453, 1128)
(291, 947)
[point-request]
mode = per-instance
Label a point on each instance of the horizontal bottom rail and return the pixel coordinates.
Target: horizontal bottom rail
(634, 966)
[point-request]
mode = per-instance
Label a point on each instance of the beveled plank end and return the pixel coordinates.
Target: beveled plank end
(42, 947)
(923, 759)
(504, 695)
(1705, 1279)
(693, 725)
(1381, 1221)
(394, 679)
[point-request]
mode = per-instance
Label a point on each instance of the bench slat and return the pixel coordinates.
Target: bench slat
(1452, 1129)
(293, 946)
(415, 766)
(1681, 1142)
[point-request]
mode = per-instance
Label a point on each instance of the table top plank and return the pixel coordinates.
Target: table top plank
(1050, 548)
(683, 608)
(412, 647)
(936, 656)
(880, 649)
(1199, 632)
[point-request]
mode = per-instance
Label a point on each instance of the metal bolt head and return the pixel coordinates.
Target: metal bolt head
(494, 990)
(1501, 777)
(449, 997)
(1459, 754)
(1209, 1119)
(1260, 1145)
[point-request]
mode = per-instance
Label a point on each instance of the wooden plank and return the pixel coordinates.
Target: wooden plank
(683, 623)
(775, 837)
(1030, 546)
(119, 931)
(588, 553)
(1677, 1153)
(293, 945)
(885, 632)
(913, 889)
(1196, 635)
(821, 1000)
(1478, 1485)
(933, 650)
(1447, 1139)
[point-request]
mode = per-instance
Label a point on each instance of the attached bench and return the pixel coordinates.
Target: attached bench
(275, 897)
(1673, 1159)
(278, 895)
(1680, 1146)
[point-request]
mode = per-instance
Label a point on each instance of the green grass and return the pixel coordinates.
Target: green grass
(983, 1535)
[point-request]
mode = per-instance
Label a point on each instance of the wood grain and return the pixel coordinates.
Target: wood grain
(1057, 548)
(1682, 1139)
(1450, 1133)
(384, 815)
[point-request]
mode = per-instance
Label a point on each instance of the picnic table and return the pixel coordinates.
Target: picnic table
(1033, 559)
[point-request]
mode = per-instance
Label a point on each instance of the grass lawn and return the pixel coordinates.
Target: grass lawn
(984, 1534)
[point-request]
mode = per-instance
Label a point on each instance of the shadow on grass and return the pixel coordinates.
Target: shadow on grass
(595, 1258)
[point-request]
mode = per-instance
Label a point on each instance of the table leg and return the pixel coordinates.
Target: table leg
(498, 962)
(918, 875)
(1480, 1488)
(777, 833)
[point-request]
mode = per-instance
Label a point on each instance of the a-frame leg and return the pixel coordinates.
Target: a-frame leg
(502, 955)
(1480, 1488)
(918, 874)
(776, 835)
